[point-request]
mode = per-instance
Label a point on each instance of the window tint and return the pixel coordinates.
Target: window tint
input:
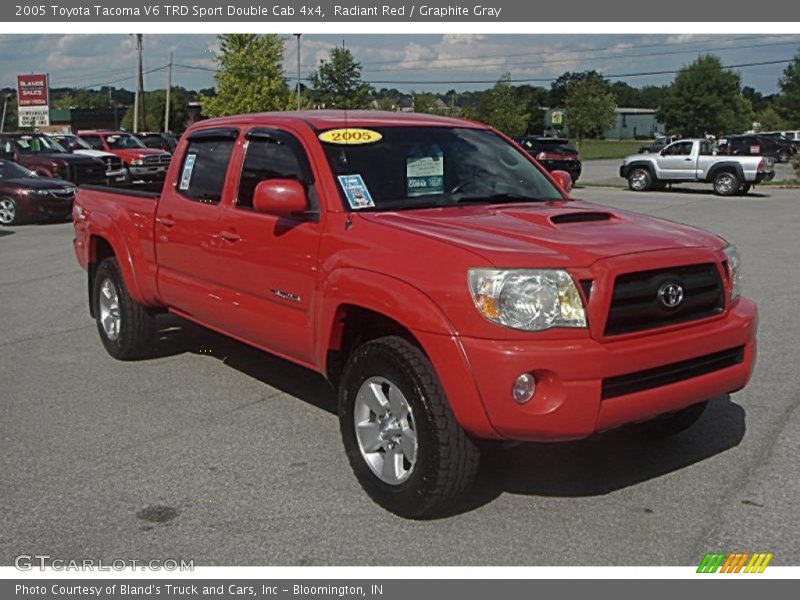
(94, 141)
(202, 175)
(272, 155)
(706, 149)
(679, 149)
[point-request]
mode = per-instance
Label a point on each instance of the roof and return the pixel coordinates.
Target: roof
(326, 119)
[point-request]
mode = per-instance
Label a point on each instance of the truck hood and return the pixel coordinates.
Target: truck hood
(129, 154)
(553, 234)
(640, 156)
(93, 153)
(55, 157)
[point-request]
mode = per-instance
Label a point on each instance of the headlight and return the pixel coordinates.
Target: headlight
(733, 269)
(527, 299)
(137, 162)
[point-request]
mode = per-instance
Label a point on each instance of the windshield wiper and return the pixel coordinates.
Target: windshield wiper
(496, 198)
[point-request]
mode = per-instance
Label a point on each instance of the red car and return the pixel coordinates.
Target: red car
(440, 278)
(143, 163)
(26, 198)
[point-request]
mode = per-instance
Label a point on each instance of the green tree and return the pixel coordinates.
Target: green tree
(425, 102)
(769, 120)
(590, 108)
(155, 102)
(338, 84)
(250, 76)
(80, 98)
(560, 87)
(788, 102)
(705, 98)
(500, 108)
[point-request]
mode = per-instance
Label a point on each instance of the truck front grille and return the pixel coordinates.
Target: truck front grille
(637, 306)
(93, 173)
(157, 160)
(652, 378)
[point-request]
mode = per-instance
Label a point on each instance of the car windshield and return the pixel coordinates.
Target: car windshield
(10, 170)
(38, 144)
(424, 167)
(123, 140)
(74, 142)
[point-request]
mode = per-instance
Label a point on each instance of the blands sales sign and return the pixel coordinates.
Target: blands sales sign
(33, 100)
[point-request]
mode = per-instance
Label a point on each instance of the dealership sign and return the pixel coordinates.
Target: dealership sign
(33, 100)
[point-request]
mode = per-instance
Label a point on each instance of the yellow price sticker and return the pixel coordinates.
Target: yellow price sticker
(350, 137)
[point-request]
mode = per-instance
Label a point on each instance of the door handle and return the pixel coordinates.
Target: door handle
(230, 236)
(165, 221)
(687, 159)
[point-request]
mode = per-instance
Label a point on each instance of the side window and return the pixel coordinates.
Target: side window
(94, 141)
(202, 175)
(272, 155)
(706, 149)
(680, 149)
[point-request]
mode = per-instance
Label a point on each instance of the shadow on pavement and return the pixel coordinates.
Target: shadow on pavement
(5, 232)
(595, 466)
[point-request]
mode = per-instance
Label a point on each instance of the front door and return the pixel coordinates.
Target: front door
(271, 261)
(677, 162)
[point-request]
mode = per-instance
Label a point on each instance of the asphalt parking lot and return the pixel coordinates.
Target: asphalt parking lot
(222, 454)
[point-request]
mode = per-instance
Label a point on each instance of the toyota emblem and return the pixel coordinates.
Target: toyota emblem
(670, 294)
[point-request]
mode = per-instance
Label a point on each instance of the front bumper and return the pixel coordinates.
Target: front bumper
(148, 173)
(568, 402)
(765, 176)
(47, 208)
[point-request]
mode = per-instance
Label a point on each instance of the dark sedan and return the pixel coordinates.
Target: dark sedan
(554, 154)
(26, 198)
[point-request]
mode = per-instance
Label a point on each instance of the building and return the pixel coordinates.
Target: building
(631, 123)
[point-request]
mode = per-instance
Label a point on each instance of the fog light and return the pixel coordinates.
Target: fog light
(524, 387)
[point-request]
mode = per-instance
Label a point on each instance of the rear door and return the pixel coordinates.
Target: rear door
(271, 261)
(187, 226)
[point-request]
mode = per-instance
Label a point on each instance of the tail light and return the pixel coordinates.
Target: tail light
(761, 166)
(548, 156)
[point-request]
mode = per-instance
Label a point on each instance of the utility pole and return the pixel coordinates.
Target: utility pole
(138, 99)
(5, 106)
(297, 35)
(169, 89)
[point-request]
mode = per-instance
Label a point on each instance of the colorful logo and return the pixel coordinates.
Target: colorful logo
(734, 562)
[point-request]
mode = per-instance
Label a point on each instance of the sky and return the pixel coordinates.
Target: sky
(408, 62)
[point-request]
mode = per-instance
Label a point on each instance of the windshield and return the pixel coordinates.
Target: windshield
(10, 170)
(423, 167)
(73, 142)
(123, 140)
(38, 144)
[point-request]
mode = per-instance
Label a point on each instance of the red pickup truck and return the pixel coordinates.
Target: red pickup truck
(441, 279)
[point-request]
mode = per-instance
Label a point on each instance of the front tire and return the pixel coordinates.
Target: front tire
(9, 213)
(640, 180)
(401, 438)
(126, 328)
(726, 184)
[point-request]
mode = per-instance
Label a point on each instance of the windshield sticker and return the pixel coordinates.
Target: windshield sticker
(350, 137)
(356, 191)
(188, 167)
(425, 172)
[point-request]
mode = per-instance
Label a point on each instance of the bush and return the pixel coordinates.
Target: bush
(796, 165)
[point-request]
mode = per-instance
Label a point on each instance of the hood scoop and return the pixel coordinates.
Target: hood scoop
(580, 217)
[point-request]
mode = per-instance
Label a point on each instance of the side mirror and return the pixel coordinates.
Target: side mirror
(563, 180)
(280, 197)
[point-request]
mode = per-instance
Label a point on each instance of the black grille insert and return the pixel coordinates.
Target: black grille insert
(680, 371)
(635, 304)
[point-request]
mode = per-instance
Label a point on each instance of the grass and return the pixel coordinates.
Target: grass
(597, 149)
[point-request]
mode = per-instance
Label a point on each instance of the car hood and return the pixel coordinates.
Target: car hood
(35, 183)
(553, 234)
(640, 155)
(133, 153)
(93, 153)
(58, 157)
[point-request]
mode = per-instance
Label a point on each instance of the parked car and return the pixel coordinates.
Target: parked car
(757, 145)
(115, 168)
(658, 144)
(554, 154)
(437, 275)
(791, 137)
(47, 158)
(159, 140)
(143, 163)
(25, 197)
(696, 160)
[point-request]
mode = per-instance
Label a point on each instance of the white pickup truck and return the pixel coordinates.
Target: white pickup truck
(696, 160)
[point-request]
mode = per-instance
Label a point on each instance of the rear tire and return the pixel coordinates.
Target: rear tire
(403, 443)
(640, 180)
(784, 156)
(726, 184)
(126, 328)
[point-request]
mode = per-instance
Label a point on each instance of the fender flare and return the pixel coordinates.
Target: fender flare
(726, 166)
(638, 164)
(418, 313)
